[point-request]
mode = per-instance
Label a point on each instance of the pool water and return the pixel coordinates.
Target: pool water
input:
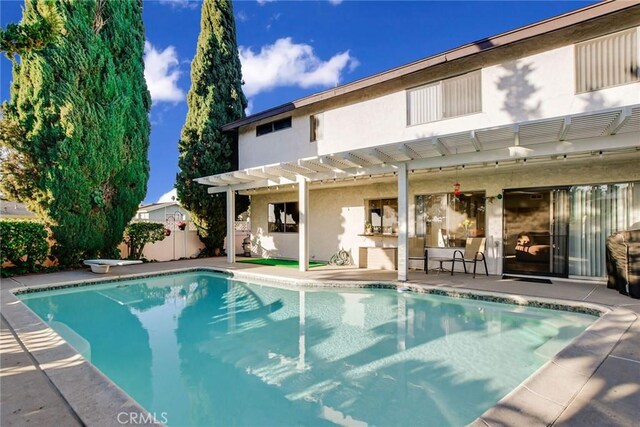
(205, 349)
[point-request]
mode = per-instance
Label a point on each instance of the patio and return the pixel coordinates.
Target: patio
(611, 396)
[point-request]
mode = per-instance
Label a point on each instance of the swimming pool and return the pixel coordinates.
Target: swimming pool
(205, 349)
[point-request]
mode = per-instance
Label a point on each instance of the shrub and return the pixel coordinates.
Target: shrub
(24, 244)
(138, 234)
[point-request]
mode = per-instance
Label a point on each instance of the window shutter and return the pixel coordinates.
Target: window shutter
(424, 104)
(462, 95)
(607, 61)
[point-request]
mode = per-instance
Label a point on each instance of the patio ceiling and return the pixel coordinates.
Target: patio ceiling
(546, 138)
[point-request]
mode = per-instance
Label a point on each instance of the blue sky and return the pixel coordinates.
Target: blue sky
(293, 49)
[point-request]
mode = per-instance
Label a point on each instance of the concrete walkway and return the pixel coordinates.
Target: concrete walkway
(28, 397)
(610, 397)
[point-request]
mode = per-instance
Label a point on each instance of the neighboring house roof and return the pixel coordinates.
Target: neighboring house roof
(9, 209)
(555, 25)
(155, 206)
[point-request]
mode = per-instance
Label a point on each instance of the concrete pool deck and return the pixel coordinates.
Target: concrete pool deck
(594, 383)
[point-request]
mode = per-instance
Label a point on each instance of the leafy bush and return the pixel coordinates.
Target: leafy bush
(138, 234)
(24, 244)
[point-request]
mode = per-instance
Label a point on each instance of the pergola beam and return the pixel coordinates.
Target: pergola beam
(297, 170)
(477, 145)
(440, 147)
(279, 173)
(355, 159)
(409, 152)
(382, 157)
(242, 176)
(334, 163)
(566, 126)
(315, 166)
(620, 121)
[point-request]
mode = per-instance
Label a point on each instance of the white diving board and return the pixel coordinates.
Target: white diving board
(101, 266)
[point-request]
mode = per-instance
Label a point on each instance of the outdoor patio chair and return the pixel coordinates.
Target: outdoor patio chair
(417, 250)
(473, 252)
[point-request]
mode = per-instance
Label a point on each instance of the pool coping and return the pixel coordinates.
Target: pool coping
(538, 400)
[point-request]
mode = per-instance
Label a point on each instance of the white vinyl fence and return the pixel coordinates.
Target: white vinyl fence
(182, 243)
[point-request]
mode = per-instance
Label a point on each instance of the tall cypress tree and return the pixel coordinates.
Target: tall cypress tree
(215, 98)
(76, 130)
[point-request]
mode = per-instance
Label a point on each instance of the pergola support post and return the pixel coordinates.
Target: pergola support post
(303, 223)
(231, 226)
(403, 220)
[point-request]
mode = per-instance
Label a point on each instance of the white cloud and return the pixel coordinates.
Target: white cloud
(263, 2)
(335, 2)
(249, 108)
(285, 63)
(242, 16)
(169, 196)
(161, 71)
(183, 4)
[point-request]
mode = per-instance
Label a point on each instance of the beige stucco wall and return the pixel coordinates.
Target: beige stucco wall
(338, 213)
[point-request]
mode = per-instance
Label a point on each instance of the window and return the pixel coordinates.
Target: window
(607, 61)
(452, 97)
(273, 126)
(382, 216)
(144, 215)
(315, 127)
(283, 217)
(447, 221)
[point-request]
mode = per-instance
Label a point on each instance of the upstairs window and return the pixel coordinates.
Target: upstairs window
(315, 127)
(448, 98)
(607, 61)
(273, 126)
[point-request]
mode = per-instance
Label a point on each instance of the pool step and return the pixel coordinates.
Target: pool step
(72, 338)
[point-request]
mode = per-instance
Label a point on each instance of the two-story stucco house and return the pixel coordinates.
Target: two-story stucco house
(528, 138)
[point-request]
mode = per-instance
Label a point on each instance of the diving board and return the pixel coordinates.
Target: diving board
(101, 266)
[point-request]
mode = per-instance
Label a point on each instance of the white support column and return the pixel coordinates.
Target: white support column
(403, 219)
(303, 223)
(231, 226)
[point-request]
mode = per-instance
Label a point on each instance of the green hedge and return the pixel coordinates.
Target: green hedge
(24, 244)
(138, 234)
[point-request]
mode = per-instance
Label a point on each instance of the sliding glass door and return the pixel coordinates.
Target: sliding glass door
(535, 230)
(563, 231)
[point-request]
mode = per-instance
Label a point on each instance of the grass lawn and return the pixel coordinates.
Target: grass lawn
(280, 262)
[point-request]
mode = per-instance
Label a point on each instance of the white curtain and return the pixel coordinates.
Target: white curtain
(597, 211)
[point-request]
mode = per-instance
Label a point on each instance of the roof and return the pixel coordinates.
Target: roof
(155, 206)
(553, 24)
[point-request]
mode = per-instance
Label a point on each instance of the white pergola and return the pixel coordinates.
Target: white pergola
(537, 140)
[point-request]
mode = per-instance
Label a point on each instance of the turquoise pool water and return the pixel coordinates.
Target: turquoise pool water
(207, 350)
